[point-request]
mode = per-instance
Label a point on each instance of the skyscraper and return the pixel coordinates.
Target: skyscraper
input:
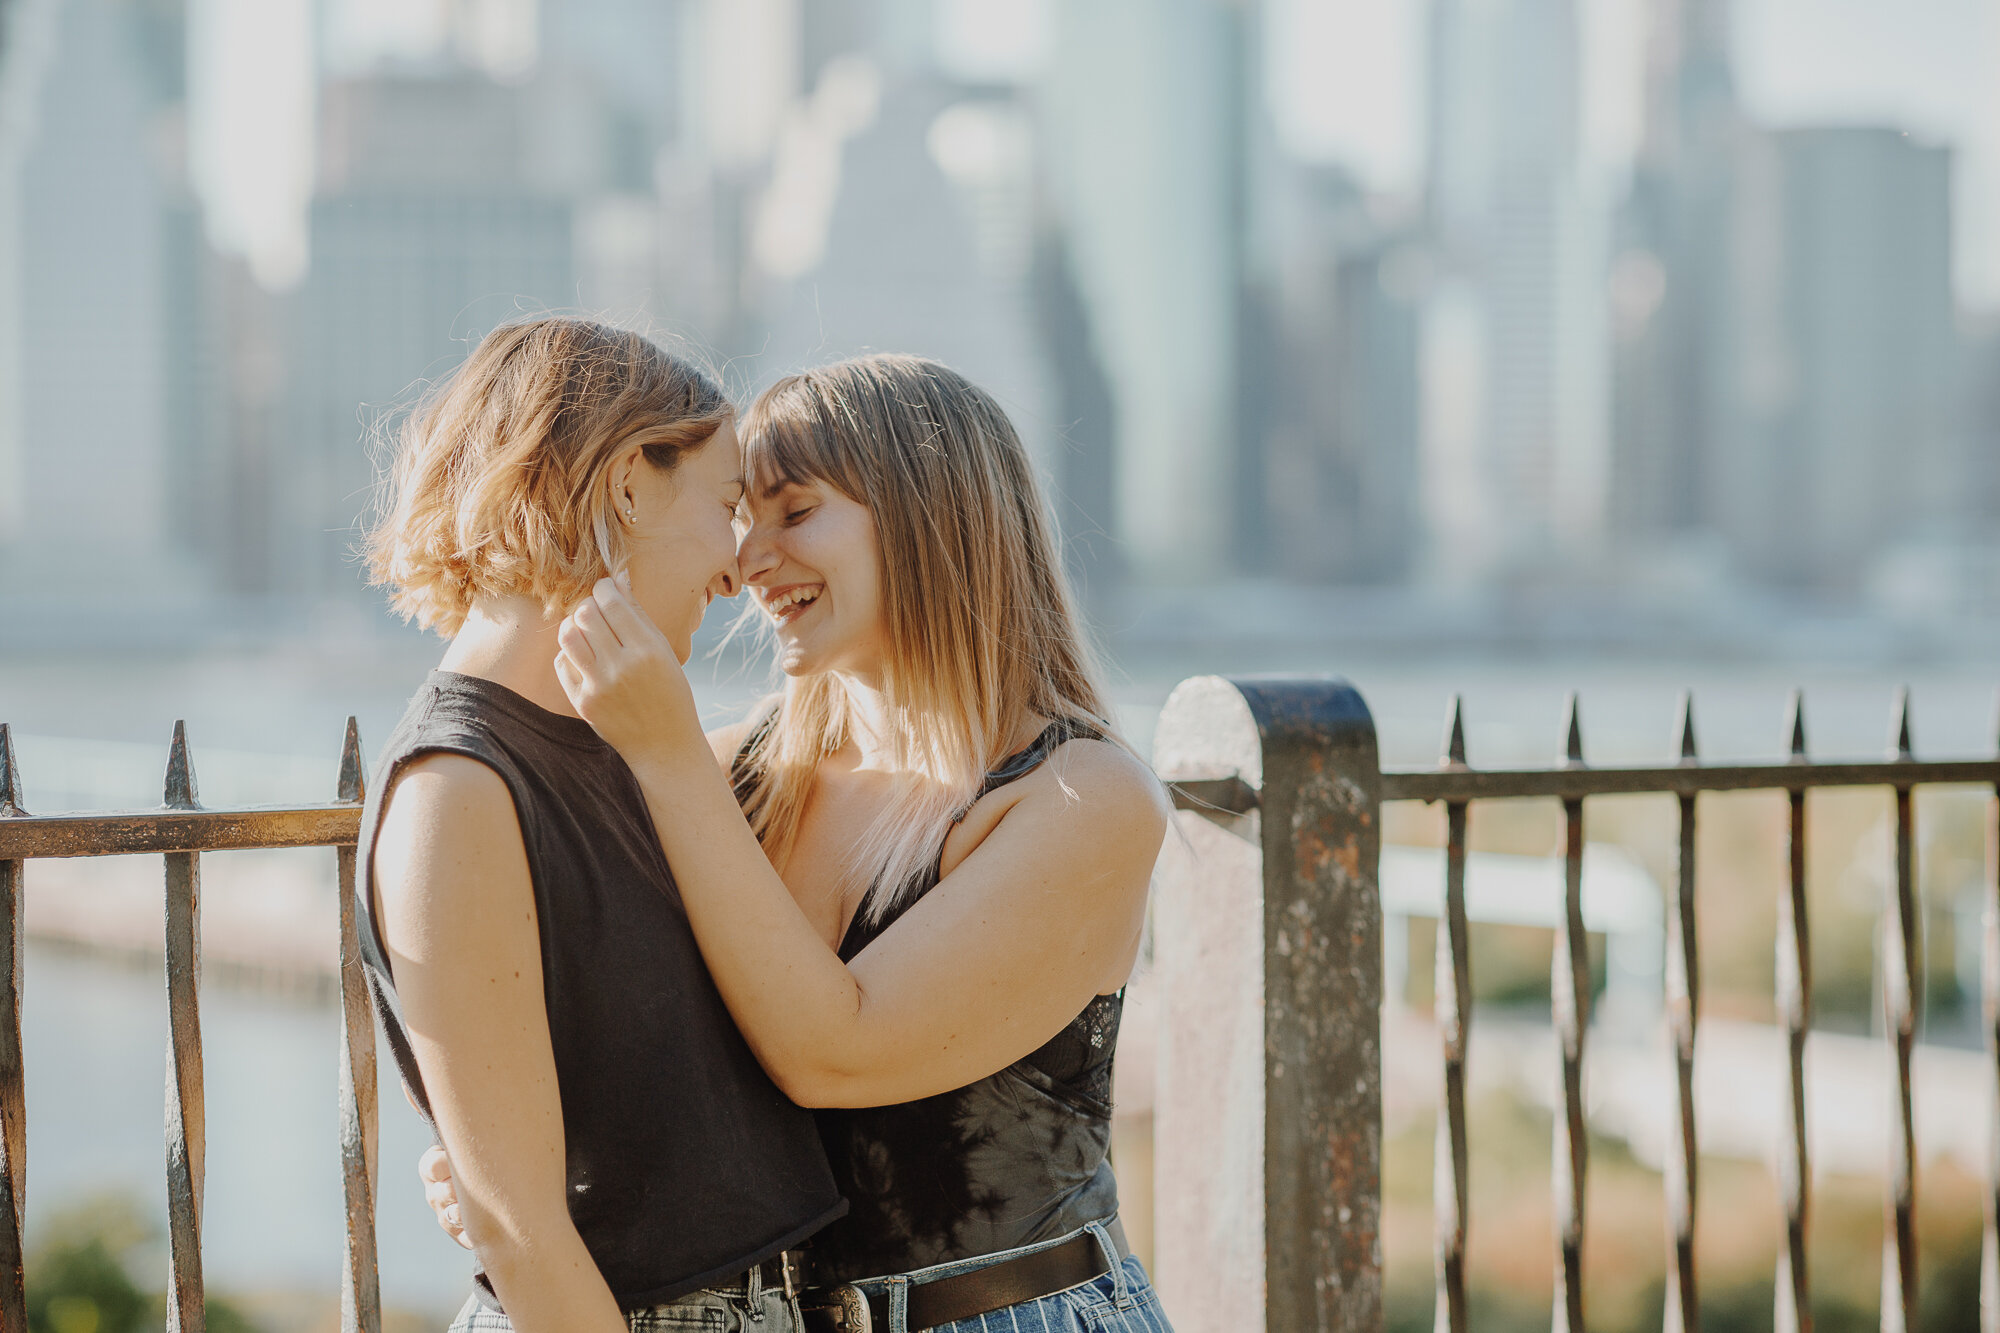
(1144, 103)
(434, 221)
(1856, 440)
(1981, 426)
(88, 242)
(1083, 447)
(1342, 399)
(1682, 371)
(1519, 258)
(898, 220)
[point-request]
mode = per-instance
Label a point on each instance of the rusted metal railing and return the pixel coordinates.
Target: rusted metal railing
(1235, 1249)
(1268, 939)
(181, 830)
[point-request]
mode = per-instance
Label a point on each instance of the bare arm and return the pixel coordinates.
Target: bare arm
(726, 740)
(458, 917)
(433, 1165)
(1044, 914)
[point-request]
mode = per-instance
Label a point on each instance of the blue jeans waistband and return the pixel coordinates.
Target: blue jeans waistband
(1109, 1232)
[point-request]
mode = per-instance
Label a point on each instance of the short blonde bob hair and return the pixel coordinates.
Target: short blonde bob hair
(497, 484)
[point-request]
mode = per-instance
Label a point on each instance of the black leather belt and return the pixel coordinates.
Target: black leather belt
(784, 1271)
(847, 1309)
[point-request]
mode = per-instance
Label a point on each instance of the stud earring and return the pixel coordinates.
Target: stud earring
(631, 517)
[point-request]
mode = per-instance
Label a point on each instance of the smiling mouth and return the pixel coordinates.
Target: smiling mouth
(789, 604)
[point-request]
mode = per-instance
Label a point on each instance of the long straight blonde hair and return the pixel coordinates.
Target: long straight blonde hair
(983, 633)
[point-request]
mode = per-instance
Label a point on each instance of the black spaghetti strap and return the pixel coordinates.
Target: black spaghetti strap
(1031, 757)
(743, 779)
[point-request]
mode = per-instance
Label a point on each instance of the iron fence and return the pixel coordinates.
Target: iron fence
(1225, 740)
(180, 831)
(1269, 939)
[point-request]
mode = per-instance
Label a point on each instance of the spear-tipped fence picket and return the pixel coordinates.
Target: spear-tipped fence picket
(1269, 946)
(181, 830)
(1281, 790)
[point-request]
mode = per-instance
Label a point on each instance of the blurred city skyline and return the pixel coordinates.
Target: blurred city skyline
(1420, 321)
(1345, 86)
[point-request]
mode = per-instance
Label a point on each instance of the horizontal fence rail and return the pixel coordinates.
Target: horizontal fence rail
(1689, 778)
(33, 837)
(180, 831)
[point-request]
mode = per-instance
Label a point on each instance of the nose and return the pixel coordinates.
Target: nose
(728, 580)
(756, 554)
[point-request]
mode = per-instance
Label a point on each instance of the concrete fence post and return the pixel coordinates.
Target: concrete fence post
(1268, 950)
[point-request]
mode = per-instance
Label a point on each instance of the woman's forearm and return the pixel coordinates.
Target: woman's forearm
(801, 1009)
(546, 1279)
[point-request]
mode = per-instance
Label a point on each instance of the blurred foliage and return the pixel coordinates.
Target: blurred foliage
(1741, 865)
(79, 1275)
(1510, 1238)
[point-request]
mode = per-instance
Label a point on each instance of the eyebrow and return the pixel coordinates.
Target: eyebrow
(777, 485)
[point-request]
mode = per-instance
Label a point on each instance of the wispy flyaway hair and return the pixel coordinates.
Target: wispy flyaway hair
(982, 628)
(497, 485)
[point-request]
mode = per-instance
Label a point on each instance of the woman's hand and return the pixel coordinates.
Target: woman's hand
(434, 1169)
(622, 677)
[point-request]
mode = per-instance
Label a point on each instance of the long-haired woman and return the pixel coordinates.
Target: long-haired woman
(619, 1151)
(930, 942)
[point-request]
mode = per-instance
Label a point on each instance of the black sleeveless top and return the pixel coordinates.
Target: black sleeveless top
(685, 1163)
(1017, 1157)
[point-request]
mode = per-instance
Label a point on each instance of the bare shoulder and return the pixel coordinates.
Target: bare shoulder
(1103, 781)
(449, 831)
(447, 786)
(1092, 813)
(727, 740)
(1092, 799)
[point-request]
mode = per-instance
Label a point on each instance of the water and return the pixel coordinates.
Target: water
(94, 1034)
(267, 727)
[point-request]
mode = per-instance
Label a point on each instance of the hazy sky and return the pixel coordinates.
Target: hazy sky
(1346, 84)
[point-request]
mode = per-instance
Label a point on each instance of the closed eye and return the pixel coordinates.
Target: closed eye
(798, 514)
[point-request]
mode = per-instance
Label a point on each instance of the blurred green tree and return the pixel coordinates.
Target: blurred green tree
(79, 1275)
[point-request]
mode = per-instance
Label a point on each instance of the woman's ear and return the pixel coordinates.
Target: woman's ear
(619, 478)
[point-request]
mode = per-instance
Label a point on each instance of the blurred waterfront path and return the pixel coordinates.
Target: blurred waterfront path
(1741, 1107)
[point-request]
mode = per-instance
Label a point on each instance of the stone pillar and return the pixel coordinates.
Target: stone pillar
(1268, 949)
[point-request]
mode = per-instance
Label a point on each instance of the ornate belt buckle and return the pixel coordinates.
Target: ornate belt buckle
(848, 1307)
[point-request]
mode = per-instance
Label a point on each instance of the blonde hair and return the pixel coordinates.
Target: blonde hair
(983, 633)
(497, 483)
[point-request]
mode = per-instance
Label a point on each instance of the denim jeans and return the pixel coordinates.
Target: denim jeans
(746, 1307)
(1121, 1301)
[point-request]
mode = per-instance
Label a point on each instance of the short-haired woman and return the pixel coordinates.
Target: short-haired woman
(619, 1151)
(958, 851)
